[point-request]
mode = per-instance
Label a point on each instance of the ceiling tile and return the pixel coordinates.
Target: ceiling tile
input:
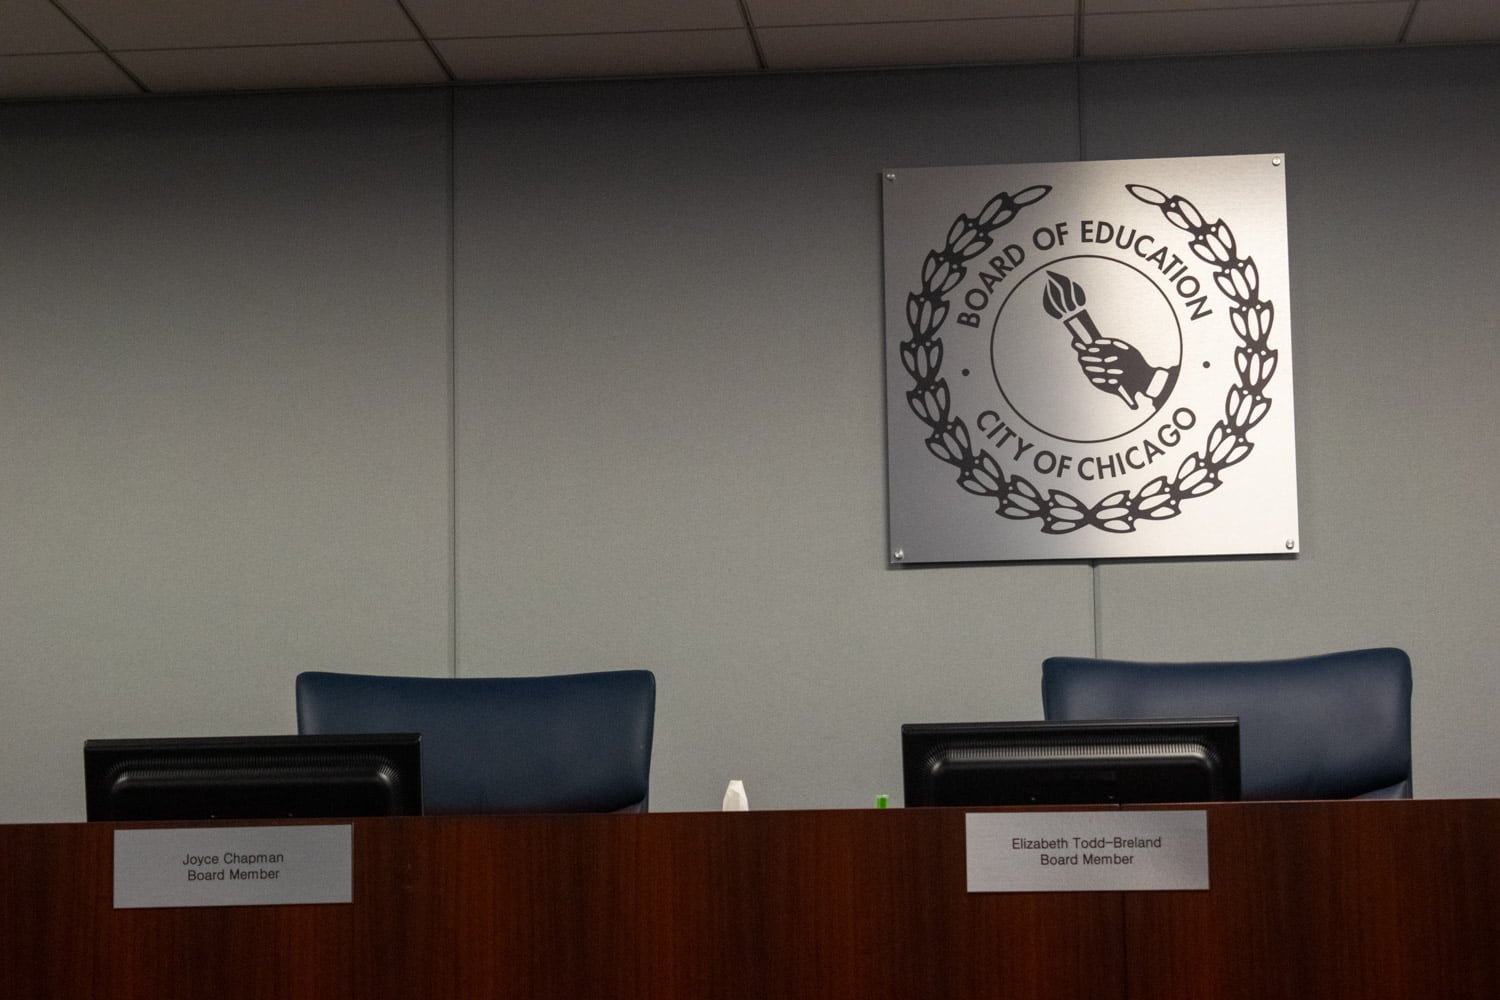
(277, 44)
(76, 74)
(282, 67)
(1244, 30)
(167, 24)
(467, 19)
(1149, 6)
(1007, 39)
(1439, 21)
(624, 54)
(30, 26)
(773, 13)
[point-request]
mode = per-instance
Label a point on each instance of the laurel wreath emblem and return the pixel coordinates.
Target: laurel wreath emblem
(1017, 498)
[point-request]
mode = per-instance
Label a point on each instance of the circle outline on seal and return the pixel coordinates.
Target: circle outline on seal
(1022, 412)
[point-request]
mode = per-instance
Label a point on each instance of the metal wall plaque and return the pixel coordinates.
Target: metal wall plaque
(1089, 360)
(233, 866)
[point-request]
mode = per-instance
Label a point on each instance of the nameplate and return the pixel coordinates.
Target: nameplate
(1087, 851)
(233, 866)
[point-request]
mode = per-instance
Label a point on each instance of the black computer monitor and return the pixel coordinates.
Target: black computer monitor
(1061, 763)
(253, 777)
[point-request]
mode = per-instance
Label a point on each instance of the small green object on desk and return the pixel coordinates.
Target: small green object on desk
(881, 801)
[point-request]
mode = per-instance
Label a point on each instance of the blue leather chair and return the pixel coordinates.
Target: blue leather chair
(561, 743)
(1335, 726)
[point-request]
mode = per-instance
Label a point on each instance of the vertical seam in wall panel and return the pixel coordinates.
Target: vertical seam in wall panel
(1096, 618)
(1077, 31)
(452, 384)
(1094, 601)
(1078, 103)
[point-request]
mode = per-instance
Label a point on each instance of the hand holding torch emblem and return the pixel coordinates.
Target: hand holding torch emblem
(1110, 365)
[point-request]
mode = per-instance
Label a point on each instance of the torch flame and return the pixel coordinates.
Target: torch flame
(1063, 296)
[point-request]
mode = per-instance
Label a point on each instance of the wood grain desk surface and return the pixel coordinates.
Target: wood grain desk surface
(1308, 900)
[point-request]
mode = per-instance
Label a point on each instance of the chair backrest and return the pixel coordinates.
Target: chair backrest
(1334, 726)
(560, 743)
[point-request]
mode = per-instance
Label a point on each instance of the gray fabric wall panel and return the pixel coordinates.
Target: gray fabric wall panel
(1392, 205)
(224, 415)
(671, 420)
